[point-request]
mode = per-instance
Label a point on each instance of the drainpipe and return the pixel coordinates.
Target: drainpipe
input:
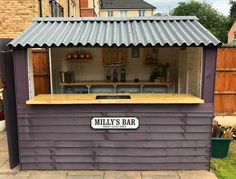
(93, 8)
(40, 8)
(79, 8)
(68, 8)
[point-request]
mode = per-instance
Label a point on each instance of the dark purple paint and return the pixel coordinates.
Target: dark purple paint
(171, 134)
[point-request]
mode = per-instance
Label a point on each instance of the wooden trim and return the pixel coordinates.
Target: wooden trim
(226, 70)
(225, 92)
(50, 69)
(38, 50)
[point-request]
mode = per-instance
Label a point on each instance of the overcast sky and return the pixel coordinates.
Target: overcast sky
(164, 6)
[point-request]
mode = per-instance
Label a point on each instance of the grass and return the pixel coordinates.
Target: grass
(226, 168)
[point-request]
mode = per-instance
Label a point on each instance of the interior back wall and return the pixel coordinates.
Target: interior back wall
(94, 70)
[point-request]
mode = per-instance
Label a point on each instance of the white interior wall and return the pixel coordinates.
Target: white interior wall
(194, 70)
(30, 74)
(190, 70)
(94, 71)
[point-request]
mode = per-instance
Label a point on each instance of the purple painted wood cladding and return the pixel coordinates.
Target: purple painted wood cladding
(209, 70)
(60, 137)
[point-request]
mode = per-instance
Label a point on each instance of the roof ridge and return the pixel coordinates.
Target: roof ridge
(158, 18)
(132, 4)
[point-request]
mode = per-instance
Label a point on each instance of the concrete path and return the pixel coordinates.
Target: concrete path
(7, 173)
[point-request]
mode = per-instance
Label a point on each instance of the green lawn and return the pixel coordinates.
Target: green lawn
(226, 168)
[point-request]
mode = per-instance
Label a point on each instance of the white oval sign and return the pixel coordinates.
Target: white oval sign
(114, 122)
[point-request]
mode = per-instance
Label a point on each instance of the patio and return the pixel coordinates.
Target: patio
(7, 173)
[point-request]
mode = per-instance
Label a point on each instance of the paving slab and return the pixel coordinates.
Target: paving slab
(163, 173)
(159, 175)
(3, 145)
(86, 172)
(55, 175)
(2, 135)
(13, 177)
(196, 174)
(122, 175)
(83, 177)
(3, 158)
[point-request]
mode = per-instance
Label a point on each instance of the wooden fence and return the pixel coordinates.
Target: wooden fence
(225, 86)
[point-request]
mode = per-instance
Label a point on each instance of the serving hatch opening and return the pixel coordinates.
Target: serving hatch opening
(118, 73)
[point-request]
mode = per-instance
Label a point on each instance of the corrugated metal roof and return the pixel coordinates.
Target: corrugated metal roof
(97, 31)
(125, 4)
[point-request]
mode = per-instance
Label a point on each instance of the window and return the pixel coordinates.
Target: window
(123, 13)
(234, 35)
(141, 13)
(56, 9)
(110, 13)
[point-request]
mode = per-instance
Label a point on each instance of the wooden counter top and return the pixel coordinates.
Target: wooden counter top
(135, 99)
(114, 83)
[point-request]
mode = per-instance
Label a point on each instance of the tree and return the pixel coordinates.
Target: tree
(232, 12)
(158, 14)
(213, 20)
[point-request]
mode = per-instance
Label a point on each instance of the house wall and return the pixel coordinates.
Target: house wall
(87, 8)
(16, 15)
(130, 12)
(64, 3)
(60, 137)
(231, 32)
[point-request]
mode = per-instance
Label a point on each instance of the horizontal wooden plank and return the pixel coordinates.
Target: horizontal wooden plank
(164, 109)
(110, 166)
(225, 93)
(119, 136)
(115, 151)
(88, 129)
(46, 121)
(226, 69)
(113, 159)
(114, 144)
(56, 114)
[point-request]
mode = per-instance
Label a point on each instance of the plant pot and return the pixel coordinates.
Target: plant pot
(2, 125)
(220, 147)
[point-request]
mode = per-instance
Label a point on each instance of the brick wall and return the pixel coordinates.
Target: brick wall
(15, 16)
(231, 32)
(87, 8)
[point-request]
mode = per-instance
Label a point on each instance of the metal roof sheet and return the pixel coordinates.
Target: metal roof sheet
(97, 31)
(125, 4)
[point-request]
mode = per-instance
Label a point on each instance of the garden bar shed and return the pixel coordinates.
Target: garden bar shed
(123, 93)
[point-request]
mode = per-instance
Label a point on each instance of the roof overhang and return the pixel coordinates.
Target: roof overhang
(171, 31)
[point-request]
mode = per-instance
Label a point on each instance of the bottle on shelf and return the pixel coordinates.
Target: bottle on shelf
(123, 75)
(115, 76)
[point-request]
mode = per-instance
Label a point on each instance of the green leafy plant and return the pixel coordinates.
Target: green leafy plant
(214, 21)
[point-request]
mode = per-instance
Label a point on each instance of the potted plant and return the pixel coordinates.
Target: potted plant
(2, 118)
(221, 138)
